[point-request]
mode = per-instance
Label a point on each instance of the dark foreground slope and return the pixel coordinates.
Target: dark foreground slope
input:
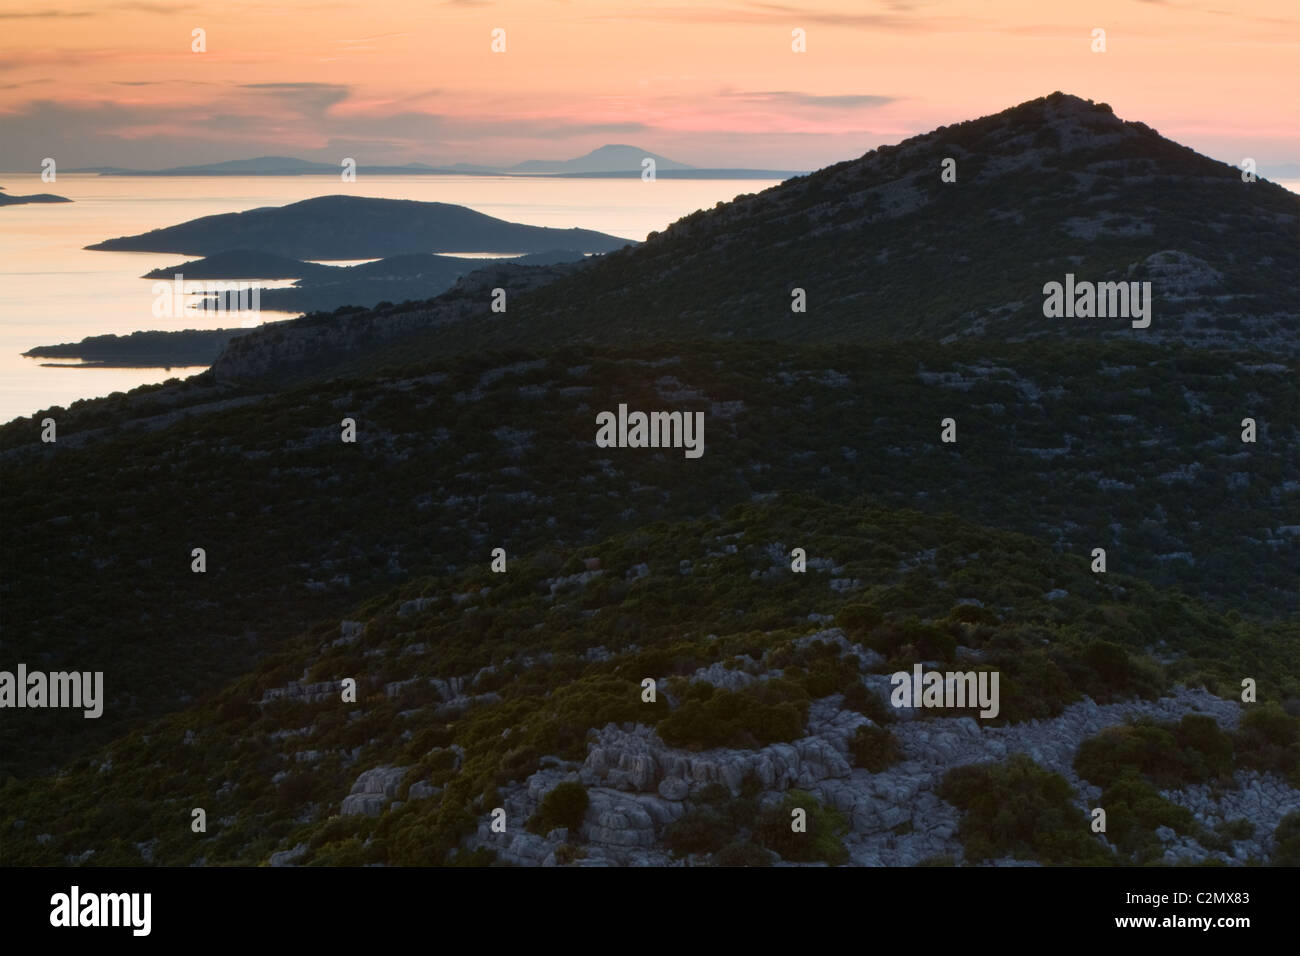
(1134, 449)
(524, 690)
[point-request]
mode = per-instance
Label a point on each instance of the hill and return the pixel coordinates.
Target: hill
(350, 227)
(181, 349)
(882, 247)
(607, 159)
(457, 455)
(8, 200)
(240, 264)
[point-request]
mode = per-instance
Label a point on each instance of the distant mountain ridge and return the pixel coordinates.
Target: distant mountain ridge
(609, 160)
(882, 246)
(606, 159)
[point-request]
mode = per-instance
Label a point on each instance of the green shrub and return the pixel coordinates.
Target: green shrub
(868, 703)
(564, 806)
(1134, 809)
(857, 619)
(1018, 809)
(819, 843)
(767, 712)
(1268, 740)
(742, 853)
(567, 853)
(874, 748)
(700, 831)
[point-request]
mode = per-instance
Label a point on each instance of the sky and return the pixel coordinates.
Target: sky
(705, 82)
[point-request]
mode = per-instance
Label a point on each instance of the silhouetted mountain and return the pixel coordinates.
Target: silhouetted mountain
(171, 349)
(350, 227)
(8, 200)
(607, 159)
(614, 160)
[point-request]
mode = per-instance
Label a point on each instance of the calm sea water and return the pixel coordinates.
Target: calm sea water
(52, 290)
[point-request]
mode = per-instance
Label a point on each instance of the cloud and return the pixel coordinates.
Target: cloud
(306, 99)
(141, 6)
(45, 15)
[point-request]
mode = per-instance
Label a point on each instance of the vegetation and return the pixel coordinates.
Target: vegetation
(564, 806)
(1020, 810)
(299, 527)
(874, 748)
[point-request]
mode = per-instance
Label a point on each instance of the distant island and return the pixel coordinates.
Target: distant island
(243, 264)
(6, 200)
(615, 160)
(354, 227)
(410, 277)
(190, 347)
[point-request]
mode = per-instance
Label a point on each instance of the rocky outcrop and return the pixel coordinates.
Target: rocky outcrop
(372, 790)
(637, 784)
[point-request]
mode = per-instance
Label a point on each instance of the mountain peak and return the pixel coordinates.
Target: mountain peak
(891, 247)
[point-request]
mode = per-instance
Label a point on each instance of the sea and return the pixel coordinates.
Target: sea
(53, 290)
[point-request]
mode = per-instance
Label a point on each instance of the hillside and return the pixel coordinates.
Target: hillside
(884, 248)
(615, 158)
(457, 456)
(181, 349)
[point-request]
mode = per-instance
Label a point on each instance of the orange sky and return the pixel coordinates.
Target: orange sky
(707, 82)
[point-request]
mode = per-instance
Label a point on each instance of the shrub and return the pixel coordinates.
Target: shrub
(1168, 755)
(868, 703)
(1134, 809)
(568, 853)
(1019, 809)
(856, 619)
(1287, 838)
(874, 748)
(1268, 739)
(819, 843)
(769, 711)
(700, 831)
(564, 806)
